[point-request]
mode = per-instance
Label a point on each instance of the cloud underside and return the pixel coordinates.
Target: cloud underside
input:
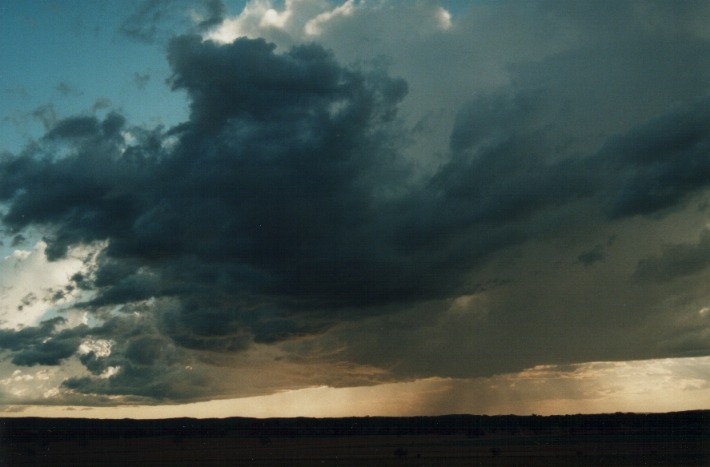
(297, 225)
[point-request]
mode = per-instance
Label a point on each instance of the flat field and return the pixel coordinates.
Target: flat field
(308, 443)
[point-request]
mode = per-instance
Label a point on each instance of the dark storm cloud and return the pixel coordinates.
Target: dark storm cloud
(74, 127)
(676, 260)
(51, 352)
(592, 256)
(41, 345)
(501, 183)
(16, 340)
(294, 150)
(151, 367)
(146, 365)
(283, 208)
(668, 157)
(271, 213)
(87, 192)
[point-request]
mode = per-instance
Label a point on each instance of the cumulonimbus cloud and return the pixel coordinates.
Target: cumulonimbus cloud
(288, 212)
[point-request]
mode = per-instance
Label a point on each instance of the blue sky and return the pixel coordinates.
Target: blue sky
(247, 207)
(72, 56)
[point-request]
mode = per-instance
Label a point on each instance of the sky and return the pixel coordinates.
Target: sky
(333, 208)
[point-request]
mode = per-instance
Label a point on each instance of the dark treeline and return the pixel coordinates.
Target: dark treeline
(690, 423)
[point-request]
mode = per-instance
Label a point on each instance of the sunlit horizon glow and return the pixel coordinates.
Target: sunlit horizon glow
(662, 385)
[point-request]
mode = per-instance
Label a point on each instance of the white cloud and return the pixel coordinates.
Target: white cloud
(262, 18)
(28, 384)
(314, 26)
(275, 19)
(109, 372)
(27, 285)
(444, 18)
(100, 347)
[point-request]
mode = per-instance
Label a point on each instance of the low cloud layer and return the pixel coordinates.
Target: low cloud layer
(328, 215)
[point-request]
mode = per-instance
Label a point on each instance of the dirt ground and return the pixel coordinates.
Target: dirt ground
(391, 450)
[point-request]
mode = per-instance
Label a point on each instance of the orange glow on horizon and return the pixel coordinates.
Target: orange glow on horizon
(662, 385)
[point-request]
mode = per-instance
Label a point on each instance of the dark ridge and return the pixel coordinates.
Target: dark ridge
(691, 423)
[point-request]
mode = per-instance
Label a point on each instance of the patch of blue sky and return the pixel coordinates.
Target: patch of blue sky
(70, 58)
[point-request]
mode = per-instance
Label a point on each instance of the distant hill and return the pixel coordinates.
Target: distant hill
(675, 423)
